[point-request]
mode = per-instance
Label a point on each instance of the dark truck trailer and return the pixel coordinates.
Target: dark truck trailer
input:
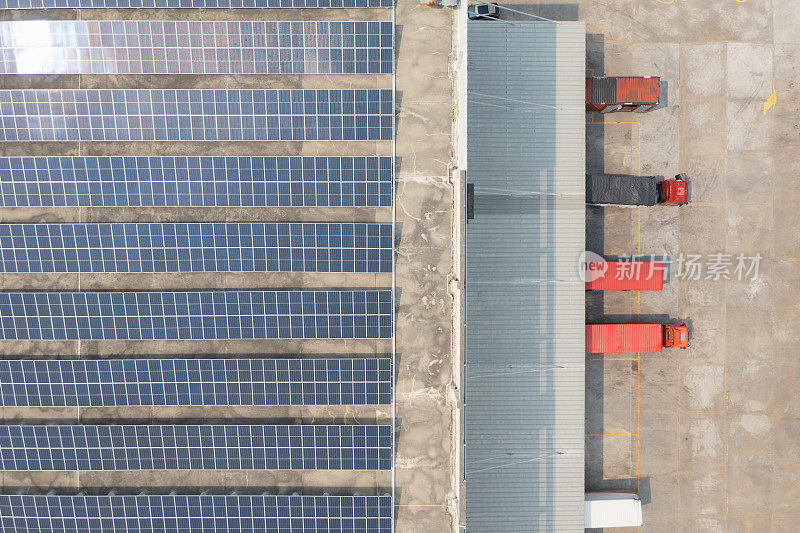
(624, 93)
(628, 190)
(635, 338)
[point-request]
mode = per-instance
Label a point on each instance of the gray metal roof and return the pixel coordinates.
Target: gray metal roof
(524, 391)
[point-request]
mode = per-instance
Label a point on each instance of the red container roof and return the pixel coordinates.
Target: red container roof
(639, 90)
(624, 338)
(624, 276)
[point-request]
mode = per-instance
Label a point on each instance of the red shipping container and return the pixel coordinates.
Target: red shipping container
(624, 338)
(624, 276)
(622, 93)
(638, 90)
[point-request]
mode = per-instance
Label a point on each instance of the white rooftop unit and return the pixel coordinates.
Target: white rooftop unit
(613, 509)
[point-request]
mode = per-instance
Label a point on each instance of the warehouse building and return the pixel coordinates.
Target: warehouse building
(524, 352)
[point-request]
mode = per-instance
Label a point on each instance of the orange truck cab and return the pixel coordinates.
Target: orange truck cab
(676, 336)
(673, 192)
(625, 93)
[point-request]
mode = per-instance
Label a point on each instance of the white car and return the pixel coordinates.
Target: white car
(483, 11)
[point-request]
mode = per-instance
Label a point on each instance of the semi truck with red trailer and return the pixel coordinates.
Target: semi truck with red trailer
(633, 338)
(623, 93)
(626, 190)
(624, 276)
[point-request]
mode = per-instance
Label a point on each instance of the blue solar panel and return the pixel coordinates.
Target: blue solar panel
(195, 47)
(195, 514)
(196, 115)
(152, 382)
(196, 247)
(208, 4)
(196, 447)
(195, 181)
(360, 314)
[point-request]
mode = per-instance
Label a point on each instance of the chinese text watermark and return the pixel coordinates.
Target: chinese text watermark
(690, 267)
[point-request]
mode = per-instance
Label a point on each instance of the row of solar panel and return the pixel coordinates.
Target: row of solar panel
(181, 47)
(358, 314)
(201, 382)
(195, 181)
(195, 514)
(195, 447)
(207, 4)
(196, 247)
(196, 115)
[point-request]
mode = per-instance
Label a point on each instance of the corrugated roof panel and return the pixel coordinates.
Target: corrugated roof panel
(604, 90)
(524, 391)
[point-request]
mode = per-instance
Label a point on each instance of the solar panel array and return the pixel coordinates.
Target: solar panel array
(198, 514)
(207, 4)
(358, 314)
(195, 47)
(196, 247)
(153, 382)
(207, 447)
(195, 181)
(196, 115)
(165, 115)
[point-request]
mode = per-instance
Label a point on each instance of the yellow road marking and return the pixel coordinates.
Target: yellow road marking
(770, 101)
(638, 427)
(639, 209)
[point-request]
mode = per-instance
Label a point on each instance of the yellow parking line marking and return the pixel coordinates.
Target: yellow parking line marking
(638, 304)
(638, 428)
